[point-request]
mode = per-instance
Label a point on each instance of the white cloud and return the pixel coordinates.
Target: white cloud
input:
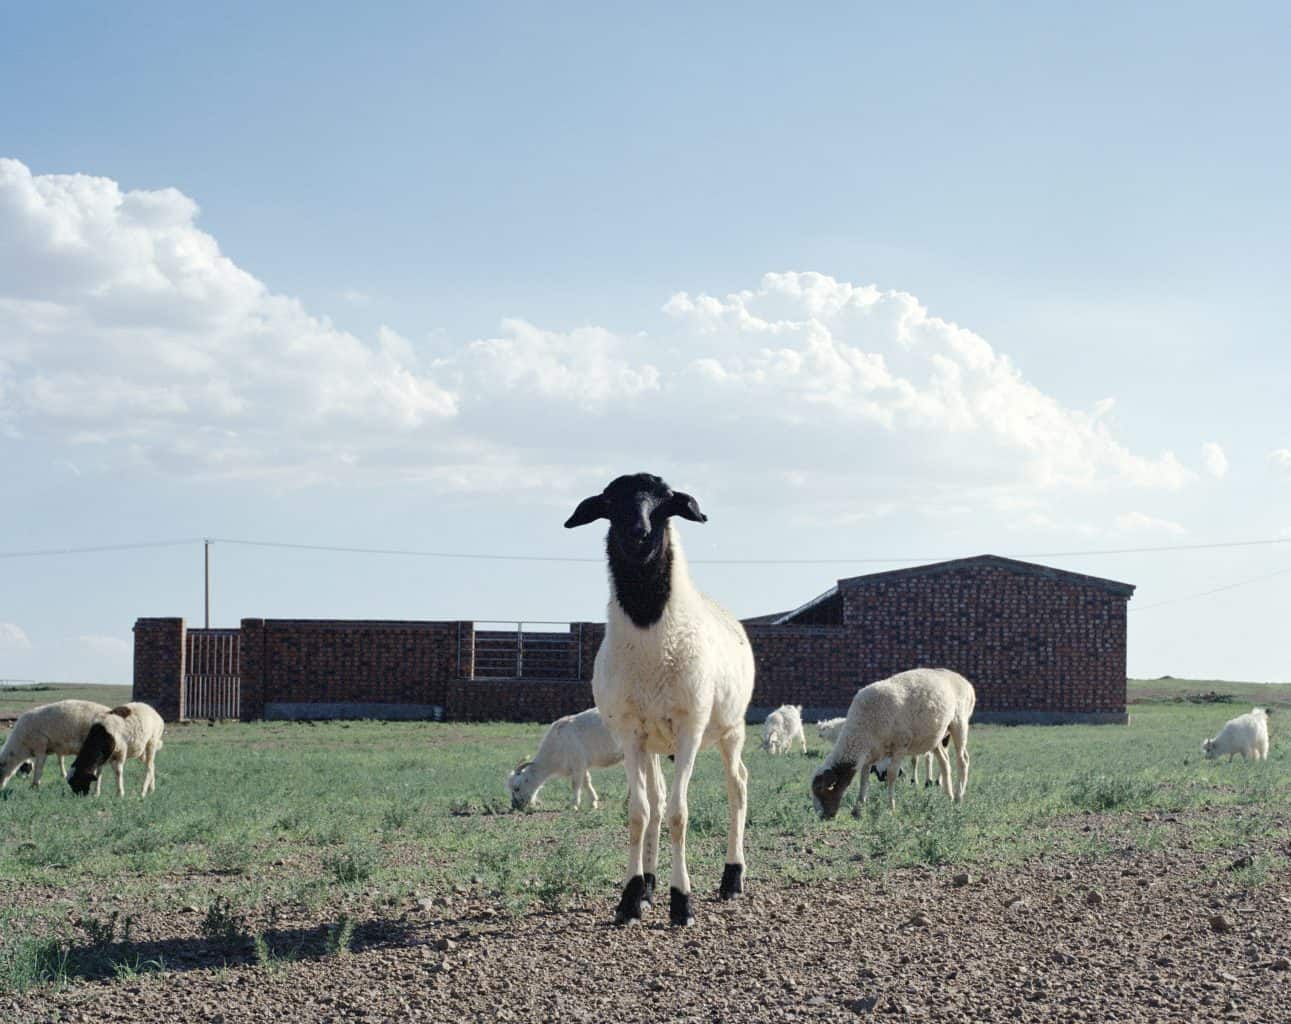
(1281, 458)
(125, 330)
(110, 647)
(1214, 460)
(1137, 522)
(13, 637)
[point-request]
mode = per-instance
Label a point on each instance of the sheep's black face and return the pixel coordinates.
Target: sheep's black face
(81, 782)
(638, 508)
(828, 786)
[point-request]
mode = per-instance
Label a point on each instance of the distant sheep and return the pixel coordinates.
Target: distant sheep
(132, 730)
(59, 728)
(880, 770)
(829, 729)
(570, 747)
(782, 728)
(1246, 734)
(904, 716)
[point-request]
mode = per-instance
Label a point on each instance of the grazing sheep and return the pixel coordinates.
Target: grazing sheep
(570, 747)
(781, 728)
(1246, 734)
(829, 729)
(673, 675)
(132, 730)
(903, 716)
(59, 728)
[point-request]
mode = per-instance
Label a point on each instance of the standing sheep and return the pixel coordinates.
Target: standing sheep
(570, 747)
(673, 675)
(132, 730)
(903, 716)
(829, 729)
(59, 728)
(781, 728)
(1246, 734)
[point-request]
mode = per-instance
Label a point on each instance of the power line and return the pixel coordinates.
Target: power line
(101, 548)
(1213, 590)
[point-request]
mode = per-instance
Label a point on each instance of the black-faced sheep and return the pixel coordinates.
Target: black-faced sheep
(570, 747)
(904, 716)
(673, 675)
(132, 730)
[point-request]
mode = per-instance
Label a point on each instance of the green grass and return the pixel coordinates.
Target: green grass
(342, 821)
(1170, 689)
(14, 700)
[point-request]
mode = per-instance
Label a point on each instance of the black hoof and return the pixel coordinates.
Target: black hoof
(732, 882)
(647, 895)
(629, 910)
(679, 912)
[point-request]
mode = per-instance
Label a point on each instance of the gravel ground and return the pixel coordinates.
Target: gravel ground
(1166, 935)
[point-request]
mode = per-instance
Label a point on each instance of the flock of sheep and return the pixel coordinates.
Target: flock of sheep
(674, 675)
(94, 733)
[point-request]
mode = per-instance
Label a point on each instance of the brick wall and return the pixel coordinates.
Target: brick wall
(815, 666)
(159, 665)
(1026, 642)
(515, 700)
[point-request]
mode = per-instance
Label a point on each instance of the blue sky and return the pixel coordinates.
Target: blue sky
(869, 283)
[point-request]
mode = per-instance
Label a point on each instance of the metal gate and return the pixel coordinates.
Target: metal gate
(526, 650)
(212, 676)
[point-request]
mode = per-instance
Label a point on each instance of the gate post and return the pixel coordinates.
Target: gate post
(159, 652)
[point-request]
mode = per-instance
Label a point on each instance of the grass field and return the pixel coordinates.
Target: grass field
(254, 824)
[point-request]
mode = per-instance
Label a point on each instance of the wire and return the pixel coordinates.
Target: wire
(102, 547)
(1213, 590)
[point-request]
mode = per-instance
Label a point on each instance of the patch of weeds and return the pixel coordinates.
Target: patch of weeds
(28, 962)
(941, 841)
(352, 865)
(224, 922)
(265, 955)
(395, 816)
(340, 936)
(569, 869)
(1094, 791)
(126, 970)
(461, 808)
(99, 933)
(230, 856)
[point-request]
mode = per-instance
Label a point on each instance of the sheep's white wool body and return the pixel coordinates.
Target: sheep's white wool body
(906, 715)
(570, 748)
(675, 687)
(58, 728)
(781, 728)
(829, 729)
(1246, 734)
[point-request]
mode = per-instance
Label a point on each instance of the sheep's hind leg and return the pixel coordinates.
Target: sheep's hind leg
(37, 768)
(737, 799)
(587, 785)
(655, 793)
(679, 909)
(959, 736)
(635, 762)
(944, 779)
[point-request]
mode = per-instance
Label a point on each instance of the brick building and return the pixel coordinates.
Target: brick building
(1039, 644)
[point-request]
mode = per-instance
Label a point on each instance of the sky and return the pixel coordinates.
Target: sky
(876, 286)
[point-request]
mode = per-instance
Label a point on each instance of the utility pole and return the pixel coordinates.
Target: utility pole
(206, 551)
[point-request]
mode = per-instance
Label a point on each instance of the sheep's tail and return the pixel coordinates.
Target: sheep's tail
(1259, 712)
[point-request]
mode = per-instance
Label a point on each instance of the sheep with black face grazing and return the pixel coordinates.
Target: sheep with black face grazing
(904, 716)
(782, 728)
(570, 747)
(673, 675)
(58, 728)
(132, 730)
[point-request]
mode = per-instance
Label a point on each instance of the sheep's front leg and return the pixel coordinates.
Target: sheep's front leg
(737, 799)
(893, 771)
(587, 785)
(679, 910)
(656, 795)
(150, 776)
(120, 768)
(803, 740)
(576, 785)
(62, 766)
(863, 770)
(943, 770)
(38, 767)
(635, 763)
(959, 736)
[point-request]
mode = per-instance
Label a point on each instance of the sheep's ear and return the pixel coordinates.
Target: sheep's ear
(589, 510)
(682, 504)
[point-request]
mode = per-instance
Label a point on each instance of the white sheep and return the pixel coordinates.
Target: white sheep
(132, 730)
(829, 728)
(781, 728)
(59, 728)
(570, 747)
(673, 675)
(1246, 734)
(904, 716)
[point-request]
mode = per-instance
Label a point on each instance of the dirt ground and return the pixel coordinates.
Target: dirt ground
(1161, 935)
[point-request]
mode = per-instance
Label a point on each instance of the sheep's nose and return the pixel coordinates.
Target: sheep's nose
(639, 530)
